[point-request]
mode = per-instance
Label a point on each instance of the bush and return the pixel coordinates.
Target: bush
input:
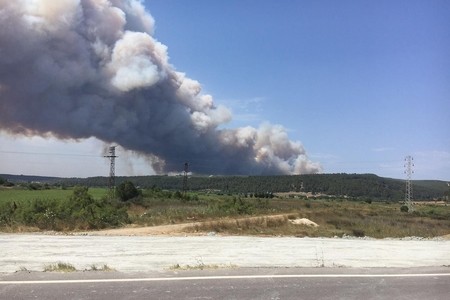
(79, 211)
(94, 214)
(404, 208)
(236, 206)
(127, 191)
(358, 233)
(5, 182)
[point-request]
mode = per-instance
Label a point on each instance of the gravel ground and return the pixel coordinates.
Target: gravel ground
(155, 253)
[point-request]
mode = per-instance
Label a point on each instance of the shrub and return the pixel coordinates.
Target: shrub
(5, 182)
(89, 213)
(236, 206)
(126, 191)
(358, 233)
(79, 211)
(404, 208)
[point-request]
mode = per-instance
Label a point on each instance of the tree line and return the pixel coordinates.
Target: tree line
(359, 186)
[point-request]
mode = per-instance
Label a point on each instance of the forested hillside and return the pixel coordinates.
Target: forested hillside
(362, 186)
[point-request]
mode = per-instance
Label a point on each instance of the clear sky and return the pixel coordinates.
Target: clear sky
(361, 84)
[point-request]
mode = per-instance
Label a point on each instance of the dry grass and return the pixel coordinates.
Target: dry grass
(103, 268)
(200, 266)
(60, 267)
(336, 218)
(249, 225)
(67, 268)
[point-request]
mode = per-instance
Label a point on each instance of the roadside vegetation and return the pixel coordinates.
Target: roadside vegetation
(60, 267)
(68, 268)
(267, 214)
(62, 211)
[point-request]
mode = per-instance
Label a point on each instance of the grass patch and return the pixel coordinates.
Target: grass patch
(254, 225)
(60, 267)
(78, 211)
(67, 268)
(20, 194)
(103, 268)
(178, 267)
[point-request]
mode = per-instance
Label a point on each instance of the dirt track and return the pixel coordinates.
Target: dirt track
(170, 230)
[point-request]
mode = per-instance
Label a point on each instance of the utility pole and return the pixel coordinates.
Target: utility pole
(448, 193)
(112, 171)
(185, 178)
(409, 164)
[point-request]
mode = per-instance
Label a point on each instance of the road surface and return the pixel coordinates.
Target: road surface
(304, 283)
(248, 268)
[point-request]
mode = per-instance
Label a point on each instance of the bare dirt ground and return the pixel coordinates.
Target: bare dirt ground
(170, 230)
(130, 254)
(145, 249)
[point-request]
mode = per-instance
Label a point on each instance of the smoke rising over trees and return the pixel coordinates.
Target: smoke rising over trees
(76, 69)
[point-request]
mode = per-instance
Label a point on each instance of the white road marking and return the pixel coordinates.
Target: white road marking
(6, 282)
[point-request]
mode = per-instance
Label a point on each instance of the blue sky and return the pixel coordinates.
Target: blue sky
(361, 84)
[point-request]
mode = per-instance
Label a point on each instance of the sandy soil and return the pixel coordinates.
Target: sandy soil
(153, 253)
(171, 230)
(142, 249)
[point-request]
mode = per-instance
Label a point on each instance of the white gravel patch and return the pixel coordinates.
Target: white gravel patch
(154, 253)
(304, 221)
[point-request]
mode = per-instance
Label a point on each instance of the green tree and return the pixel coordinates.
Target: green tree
(126, 191)
(89, 213)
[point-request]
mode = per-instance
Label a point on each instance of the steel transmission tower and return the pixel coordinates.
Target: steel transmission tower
(112, 170)
(185, 178)
(409, 164)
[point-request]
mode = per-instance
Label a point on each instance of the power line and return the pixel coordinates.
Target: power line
(48, 153)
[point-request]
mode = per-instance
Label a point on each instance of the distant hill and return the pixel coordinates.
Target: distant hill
(30, 178)
(360, 186)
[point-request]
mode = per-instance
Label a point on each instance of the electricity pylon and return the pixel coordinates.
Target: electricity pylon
(409, 164)
(112, 171)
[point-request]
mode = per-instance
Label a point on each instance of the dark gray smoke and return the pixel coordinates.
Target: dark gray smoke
(91, 68)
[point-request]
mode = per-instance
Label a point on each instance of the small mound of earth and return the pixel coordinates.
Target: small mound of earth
(304, 221)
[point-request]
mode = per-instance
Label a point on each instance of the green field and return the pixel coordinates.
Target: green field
(78, 208)
(14, 194)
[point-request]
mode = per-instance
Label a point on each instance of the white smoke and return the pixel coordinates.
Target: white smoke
(91, 68)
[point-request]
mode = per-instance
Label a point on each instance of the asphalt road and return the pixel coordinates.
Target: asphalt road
(257, 283)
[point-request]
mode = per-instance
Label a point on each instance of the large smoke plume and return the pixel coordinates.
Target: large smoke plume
(76, 69)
